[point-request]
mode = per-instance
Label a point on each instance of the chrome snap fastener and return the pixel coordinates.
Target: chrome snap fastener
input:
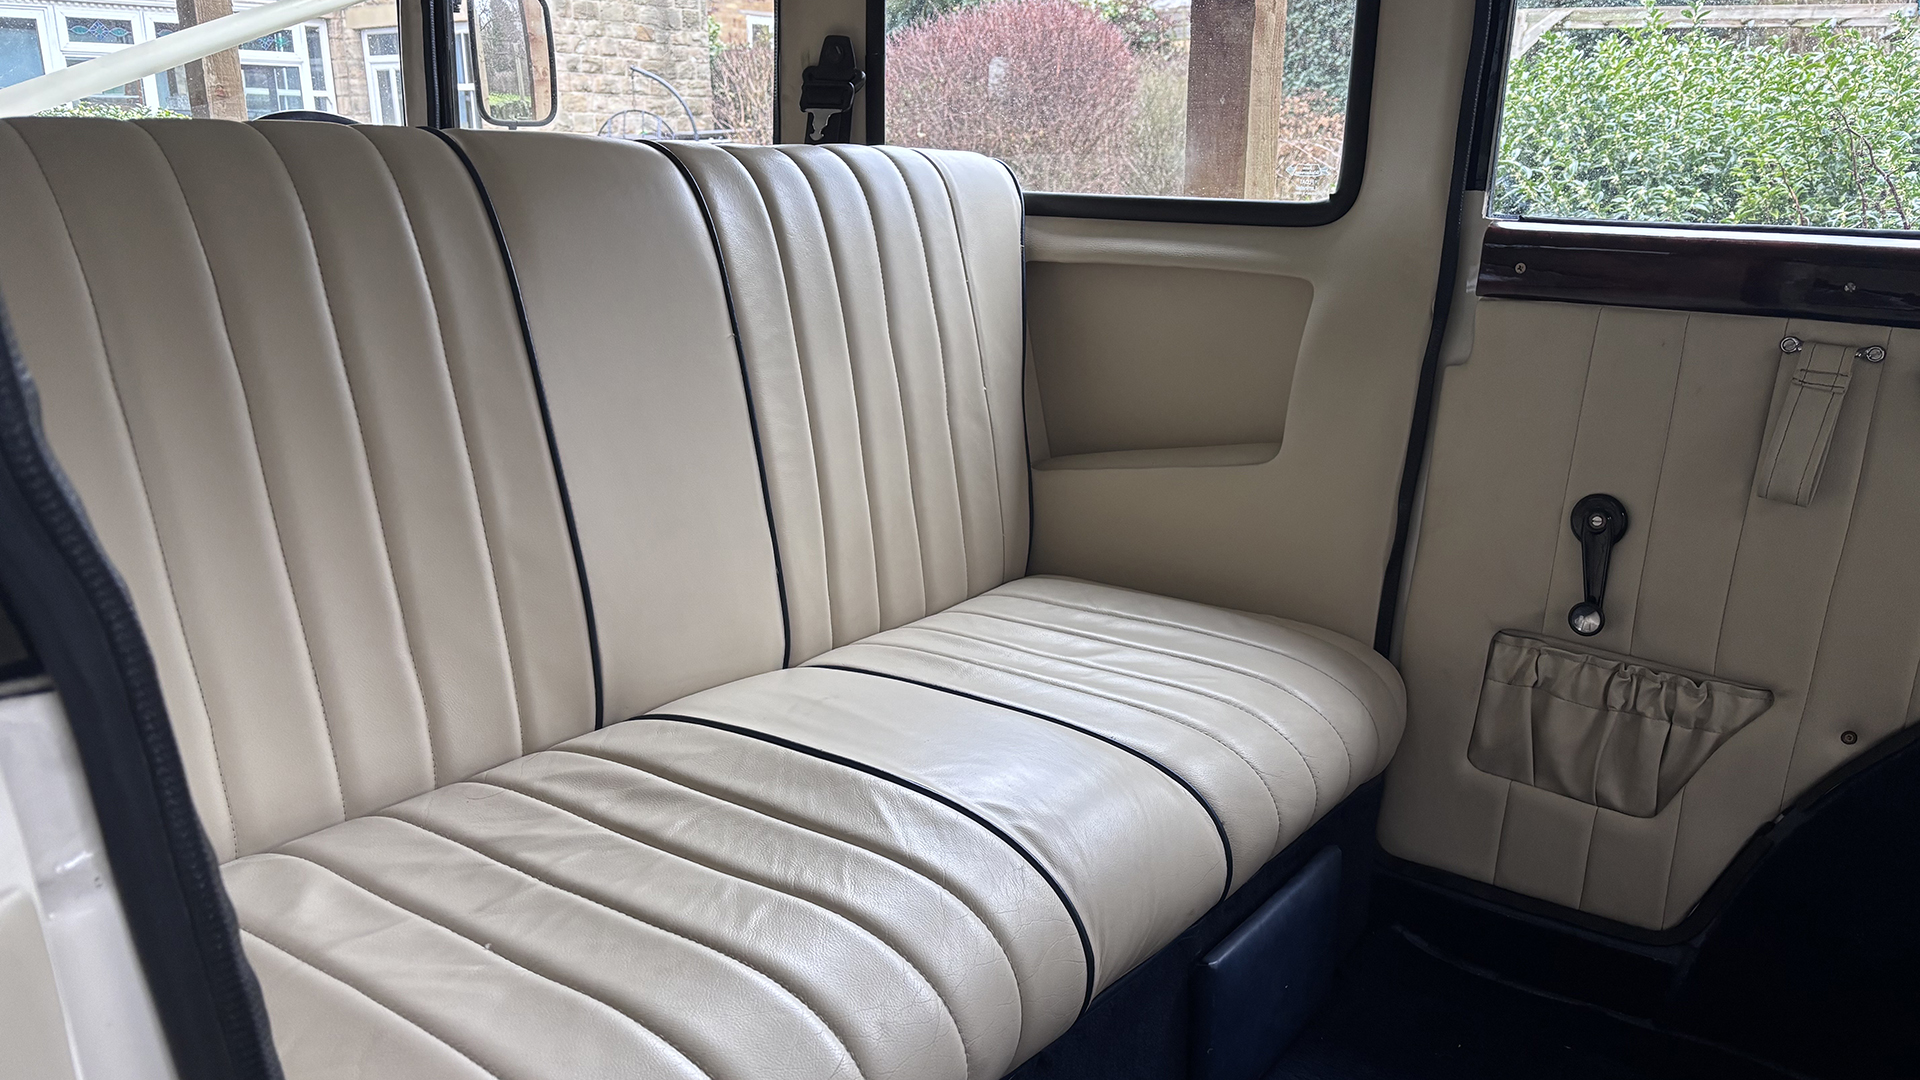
(1872, 354)
(1790, 345)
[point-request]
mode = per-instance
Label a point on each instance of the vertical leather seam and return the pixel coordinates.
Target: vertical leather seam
(146, 501)
(807, 393)
(373, 489)
(366, 996)
(1826, 611)
(980, 347)
(1659, 477)
(1219, 826)
(487, 946)
(546, 420)
(746, 385)
(1679, 805)
(466, 454)
(874, 529)
(1573, 458)
(1073, 913)
(940, 369)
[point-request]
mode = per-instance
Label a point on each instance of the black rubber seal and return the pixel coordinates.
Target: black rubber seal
(1226, 846)
(746, 381)
(74, 611)
(1079, 926)
(1479, 112)
(546, 420)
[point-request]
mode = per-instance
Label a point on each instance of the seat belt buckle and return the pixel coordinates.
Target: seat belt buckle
(827, 90)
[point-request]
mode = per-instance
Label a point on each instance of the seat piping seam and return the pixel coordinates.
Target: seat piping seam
(891, 860)
(980, 349)
(1345, 747)
(1216, 698)
(146, 498)
(489, 949)
(685, 857)
(1079, 925)
(1279, 818)
(628, 916)
(940, 368)
(546, 419)
(746, 385)
(1218, 636)
(1226, 845)
(373, 497)
(485, 537)
(390, 1010)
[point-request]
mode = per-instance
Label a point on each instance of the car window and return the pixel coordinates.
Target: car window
(1130, 97)
(1780, 114)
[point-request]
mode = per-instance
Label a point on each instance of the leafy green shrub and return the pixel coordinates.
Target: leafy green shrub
(1817, 128)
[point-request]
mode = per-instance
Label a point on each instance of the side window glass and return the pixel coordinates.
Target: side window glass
(1717, 113)
(628, 69)
(323, 64)
(1243, 99)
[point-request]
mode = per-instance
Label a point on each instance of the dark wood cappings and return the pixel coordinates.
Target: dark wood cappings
(1843, 278)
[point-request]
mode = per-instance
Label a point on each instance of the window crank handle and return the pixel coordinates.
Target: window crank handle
(1599, 521)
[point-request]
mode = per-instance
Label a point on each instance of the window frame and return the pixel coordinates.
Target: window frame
(43, 21)
(1182, 208)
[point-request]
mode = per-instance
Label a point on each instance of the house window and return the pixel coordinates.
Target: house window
(278, 71)
(100, 31)
(463, 76)
(386, 91)
(20, 56)
(759, 27)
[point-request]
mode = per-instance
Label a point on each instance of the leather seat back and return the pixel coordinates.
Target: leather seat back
(880, 300)
(281, 365)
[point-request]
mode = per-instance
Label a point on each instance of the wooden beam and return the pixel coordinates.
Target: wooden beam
(214, 85)
(1234, 64)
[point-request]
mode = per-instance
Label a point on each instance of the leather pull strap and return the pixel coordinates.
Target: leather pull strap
(1806, 409)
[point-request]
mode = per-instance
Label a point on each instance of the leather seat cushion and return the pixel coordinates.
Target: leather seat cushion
(1272, 723)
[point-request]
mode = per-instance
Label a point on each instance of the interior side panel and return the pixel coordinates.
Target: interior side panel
(1667, 412)
(1215, 513)
(1108, 386)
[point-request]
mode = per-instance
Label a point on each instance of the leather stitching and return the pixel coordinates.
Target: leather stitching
(1259, 774)
(390, 1010)
(1079, 925)
(1277, 729)
(683, 855)
(1345, 746)
(816, 830)
(487, 947)
(1204, 632)
(160, 547)
(373, 497)
(631, 917)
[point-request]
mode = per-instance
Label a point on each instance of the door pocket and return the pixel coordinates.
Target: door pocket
(1604, 729)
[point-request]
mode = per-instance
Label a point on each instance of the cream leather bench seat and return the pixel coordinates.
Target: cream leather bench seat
(669, 701)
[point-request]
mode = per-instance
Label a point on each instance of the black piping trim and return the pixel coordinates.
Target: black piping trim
(546, 421)
(1474, 97)
(746, 383)
(1080, 927)
(73, 611)
(1226, 846)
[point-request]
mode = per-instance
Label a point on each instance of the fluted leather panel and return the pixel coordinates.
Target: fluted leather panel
(281, 367)
(1272, 723)
(882, 330)
(630, 319)
(1668, 412)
